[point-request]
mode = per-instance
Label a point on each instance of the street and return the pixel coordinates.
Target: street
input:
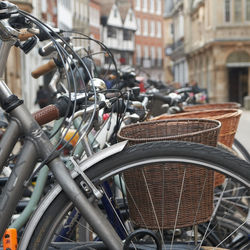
(243, 132)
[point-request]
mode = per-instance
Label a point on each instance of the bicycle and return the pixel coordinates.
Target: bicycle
(97, 168)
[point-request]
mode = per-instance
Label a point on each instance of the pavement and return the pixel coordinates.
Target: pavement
(243, 132)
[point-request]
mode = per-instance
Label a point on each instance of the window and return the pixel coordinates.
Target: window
(171, 29)
(145, 27)
(152, 6)
(81, 11)
(159, 29)
(208, 74)
(153, 55)
(138, 31)
(152, 28)
(201, 77)
(44, 6)
(127, 35)
(138, 54)
(146, 54)
(138, 5)
(85, 15)
(181, 25)
(247, 9)
(111, 32)
(145, 5)
(227, 10)
(159, 56)
(158, 7)
(237, 10)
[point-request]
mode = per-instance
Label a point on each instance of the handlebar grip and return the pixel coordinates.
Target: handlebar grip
(47, 114)
(24, 35)
(47, 67)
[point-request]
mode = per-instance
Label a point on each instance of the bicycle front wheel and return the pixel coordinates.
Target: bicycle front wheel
(166, 204)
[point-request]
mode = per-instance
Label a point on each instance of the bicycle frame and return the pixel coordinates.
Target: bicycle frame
(43, 175)
(37, 145)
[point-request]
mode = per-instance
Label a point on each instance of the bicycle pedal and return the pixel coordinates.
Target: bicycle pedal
(10, 239)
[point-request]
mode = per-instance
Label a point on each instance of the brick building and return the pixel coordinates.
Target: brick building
(149, 43)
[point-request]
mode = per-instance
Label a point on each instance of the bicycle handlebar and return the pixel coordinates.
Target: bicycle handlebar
(43, 69)
(49, 47)
(47, 114)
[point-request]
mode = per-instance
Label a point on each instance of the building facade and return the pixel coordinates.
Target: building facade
(95, 30)
(80, 19)
(16, 63)
(211, 46)
(168, 41)
(218, 48)
(118, 31)
(176, 64)
(149, 41)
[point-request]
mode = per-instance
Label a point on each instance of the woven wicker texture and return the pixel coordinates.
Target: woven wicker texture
(229, 119)
(225, 105)
(154, 191)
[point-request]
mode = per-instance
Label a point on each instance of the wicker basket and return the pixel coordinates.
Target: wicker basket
(229, 119)
(164, 181)
(225, 105)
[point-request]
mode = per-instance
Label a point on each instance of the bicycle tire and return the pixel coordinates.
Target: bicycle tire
(45, 219)
(238, 147)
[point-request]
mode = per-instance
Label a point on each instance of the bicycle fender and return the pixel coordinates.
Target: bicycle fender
(101, 155)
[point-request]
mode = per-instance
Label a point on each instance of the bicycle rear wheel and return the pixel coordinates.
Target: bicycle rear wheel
(229, 205)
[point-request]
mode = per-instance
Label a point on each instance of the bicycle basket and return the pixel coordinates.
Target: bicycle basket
(163, 181)
(225, 105)
(229, 119)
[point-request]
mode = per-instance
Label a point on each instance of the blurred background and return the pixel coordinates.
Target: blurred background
(172, 41)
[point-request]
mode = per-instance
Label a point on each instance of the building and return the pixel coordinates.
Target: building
(149, 40)
(168, 41)
(218, 48)
(80, 19)
(48, 12)
(16, 65)
(175, 27)
(118, 31)
(95, 30)
(210, 46)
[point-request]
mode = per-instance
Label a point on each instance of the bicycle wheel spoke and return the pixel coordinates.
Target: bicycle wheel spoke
(213, 216)
(137, 208)
(198, 207)
(232, 232)
(178, 206)
(152, 205)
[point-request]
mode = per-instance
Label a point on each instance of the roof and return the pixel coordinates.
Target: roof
(123, 6)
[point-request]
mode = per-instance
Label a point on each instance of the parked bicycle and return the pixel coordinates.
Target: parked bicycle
(78, 192)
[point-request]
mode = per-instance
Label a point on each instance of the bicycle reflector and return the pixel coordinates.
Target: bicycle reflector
(10, 239)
